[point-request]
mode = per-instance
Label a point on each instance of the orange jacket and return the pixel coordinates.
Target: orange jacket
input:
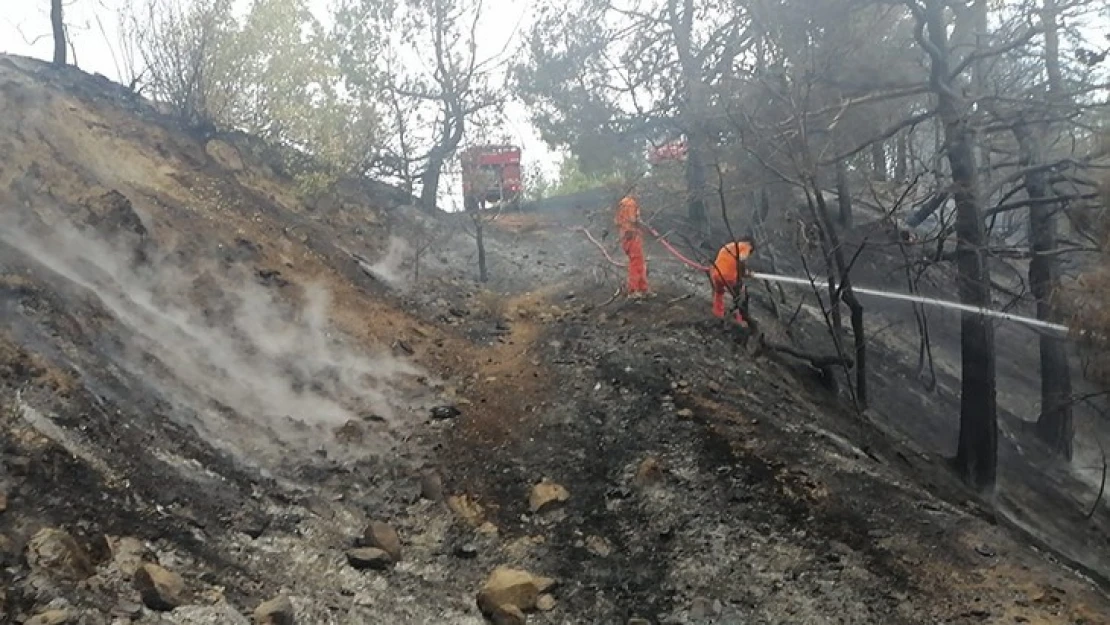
(726, 269)
(628, 214)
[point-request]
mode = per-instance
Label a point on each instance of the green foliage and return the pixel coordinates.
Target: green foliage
(572, 178)
(536, 184)
(274, 74)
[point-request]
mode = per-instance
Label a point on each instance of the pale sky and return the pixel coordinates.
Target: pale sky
(25, 30)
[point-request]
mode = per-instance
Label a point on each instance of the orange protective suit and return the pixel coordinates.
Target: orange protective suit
(727, 274)
(632, 242)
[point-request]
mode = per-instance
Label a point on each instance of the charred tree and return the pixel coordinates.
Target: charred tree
(878, 161)
(682, 24)
(901, 158)
(479, 236)
(843, 195)
(977, 455)
(1054, 426)
(59, 27)
(841, 290)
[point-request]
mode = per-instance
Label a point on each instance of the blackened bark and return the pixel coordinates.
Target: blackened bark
(834, 252)
(682, 24)
(843, 195)
(878, 160)
(429, 181)
(479, 235)
(901, 163)
(977, 454)
(1055, 425)
(696, 181)
(764, 203)
(59, 28)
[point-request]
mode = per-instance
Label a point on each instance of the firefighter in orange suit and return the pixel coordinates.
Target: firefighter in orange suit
(632, 242)
(728, 273)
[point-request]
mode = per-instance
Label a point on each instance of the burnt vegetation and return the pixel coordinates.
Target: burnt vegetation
(263, 300)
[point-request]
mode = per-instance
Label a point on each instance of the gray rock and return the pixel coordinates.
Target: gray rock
(369, 558)
(276, 611)
(219, 614)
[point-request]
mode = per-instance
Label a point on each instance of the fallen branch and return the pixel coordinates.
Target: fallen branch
(818, 361)
(598, 244)
(680, 298)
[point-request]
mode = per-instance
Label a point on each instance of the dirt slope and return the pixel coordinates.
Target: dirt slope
(204, 369)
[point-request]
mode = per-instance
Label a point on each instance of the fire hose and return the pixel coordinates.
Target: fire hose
(670, 248)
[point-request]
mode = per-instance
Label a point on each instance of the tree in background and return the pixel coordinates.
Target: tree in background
(432, 78)
(58, 25)
(604, 77)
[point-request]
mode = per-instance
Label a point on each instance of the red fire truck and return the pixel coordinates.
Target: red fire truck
(491, 175)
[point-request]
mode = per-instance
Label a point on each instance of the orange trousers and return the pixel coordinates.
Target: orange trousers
(720, 286)
(633, 245)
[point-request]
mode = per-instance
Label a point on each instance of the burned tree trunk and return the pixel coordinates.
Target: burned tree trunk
(682, 25)
(977, 454)
(1054, 426)
(479, 236)
(429, 180)
(59, 28)
(843, 195)
(901, 162)
(696, 181)
(878, 160)
(841, 289)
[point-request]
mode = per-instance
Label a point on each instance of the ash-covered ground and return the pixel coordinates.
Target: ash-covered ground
(226, 402)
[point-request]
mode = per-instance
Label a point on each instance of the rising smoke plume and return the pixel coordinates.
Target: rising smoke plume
(259, 378)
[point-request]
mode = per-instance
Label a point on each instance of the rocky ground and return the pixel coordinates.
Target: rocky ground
(193, 434)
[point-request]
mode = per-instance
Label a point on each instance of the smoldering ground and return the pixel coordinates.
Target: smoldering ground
(253, 374)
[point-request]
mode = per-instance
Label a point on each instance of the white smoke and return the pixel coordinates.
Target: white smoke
(389, 267)
(259, 378)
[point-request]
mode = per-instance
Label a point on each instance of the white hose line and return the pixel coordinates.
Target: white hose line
(931, 301)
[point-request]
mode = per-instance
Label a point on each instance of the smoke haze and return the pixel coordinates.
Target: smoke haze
(247, 371)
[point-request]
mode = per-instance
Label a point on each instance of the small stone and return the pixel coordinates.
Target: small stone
(382, 536)
(713, 387)
(650, 471)
(221, 613)
(598, 546)
(3, 499)
(277, 611)
(369, 558)
(55, 551)
(702, 608)
(466, 508)
(252, 523)
(445, 412)
(545, 603)
(50, 617)
(511, 588)
(431, 486)
(546, 494)
(985, 551)
(159, 588)
(466, 551)
(128, 554)
(351, 432)
(685, 413)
